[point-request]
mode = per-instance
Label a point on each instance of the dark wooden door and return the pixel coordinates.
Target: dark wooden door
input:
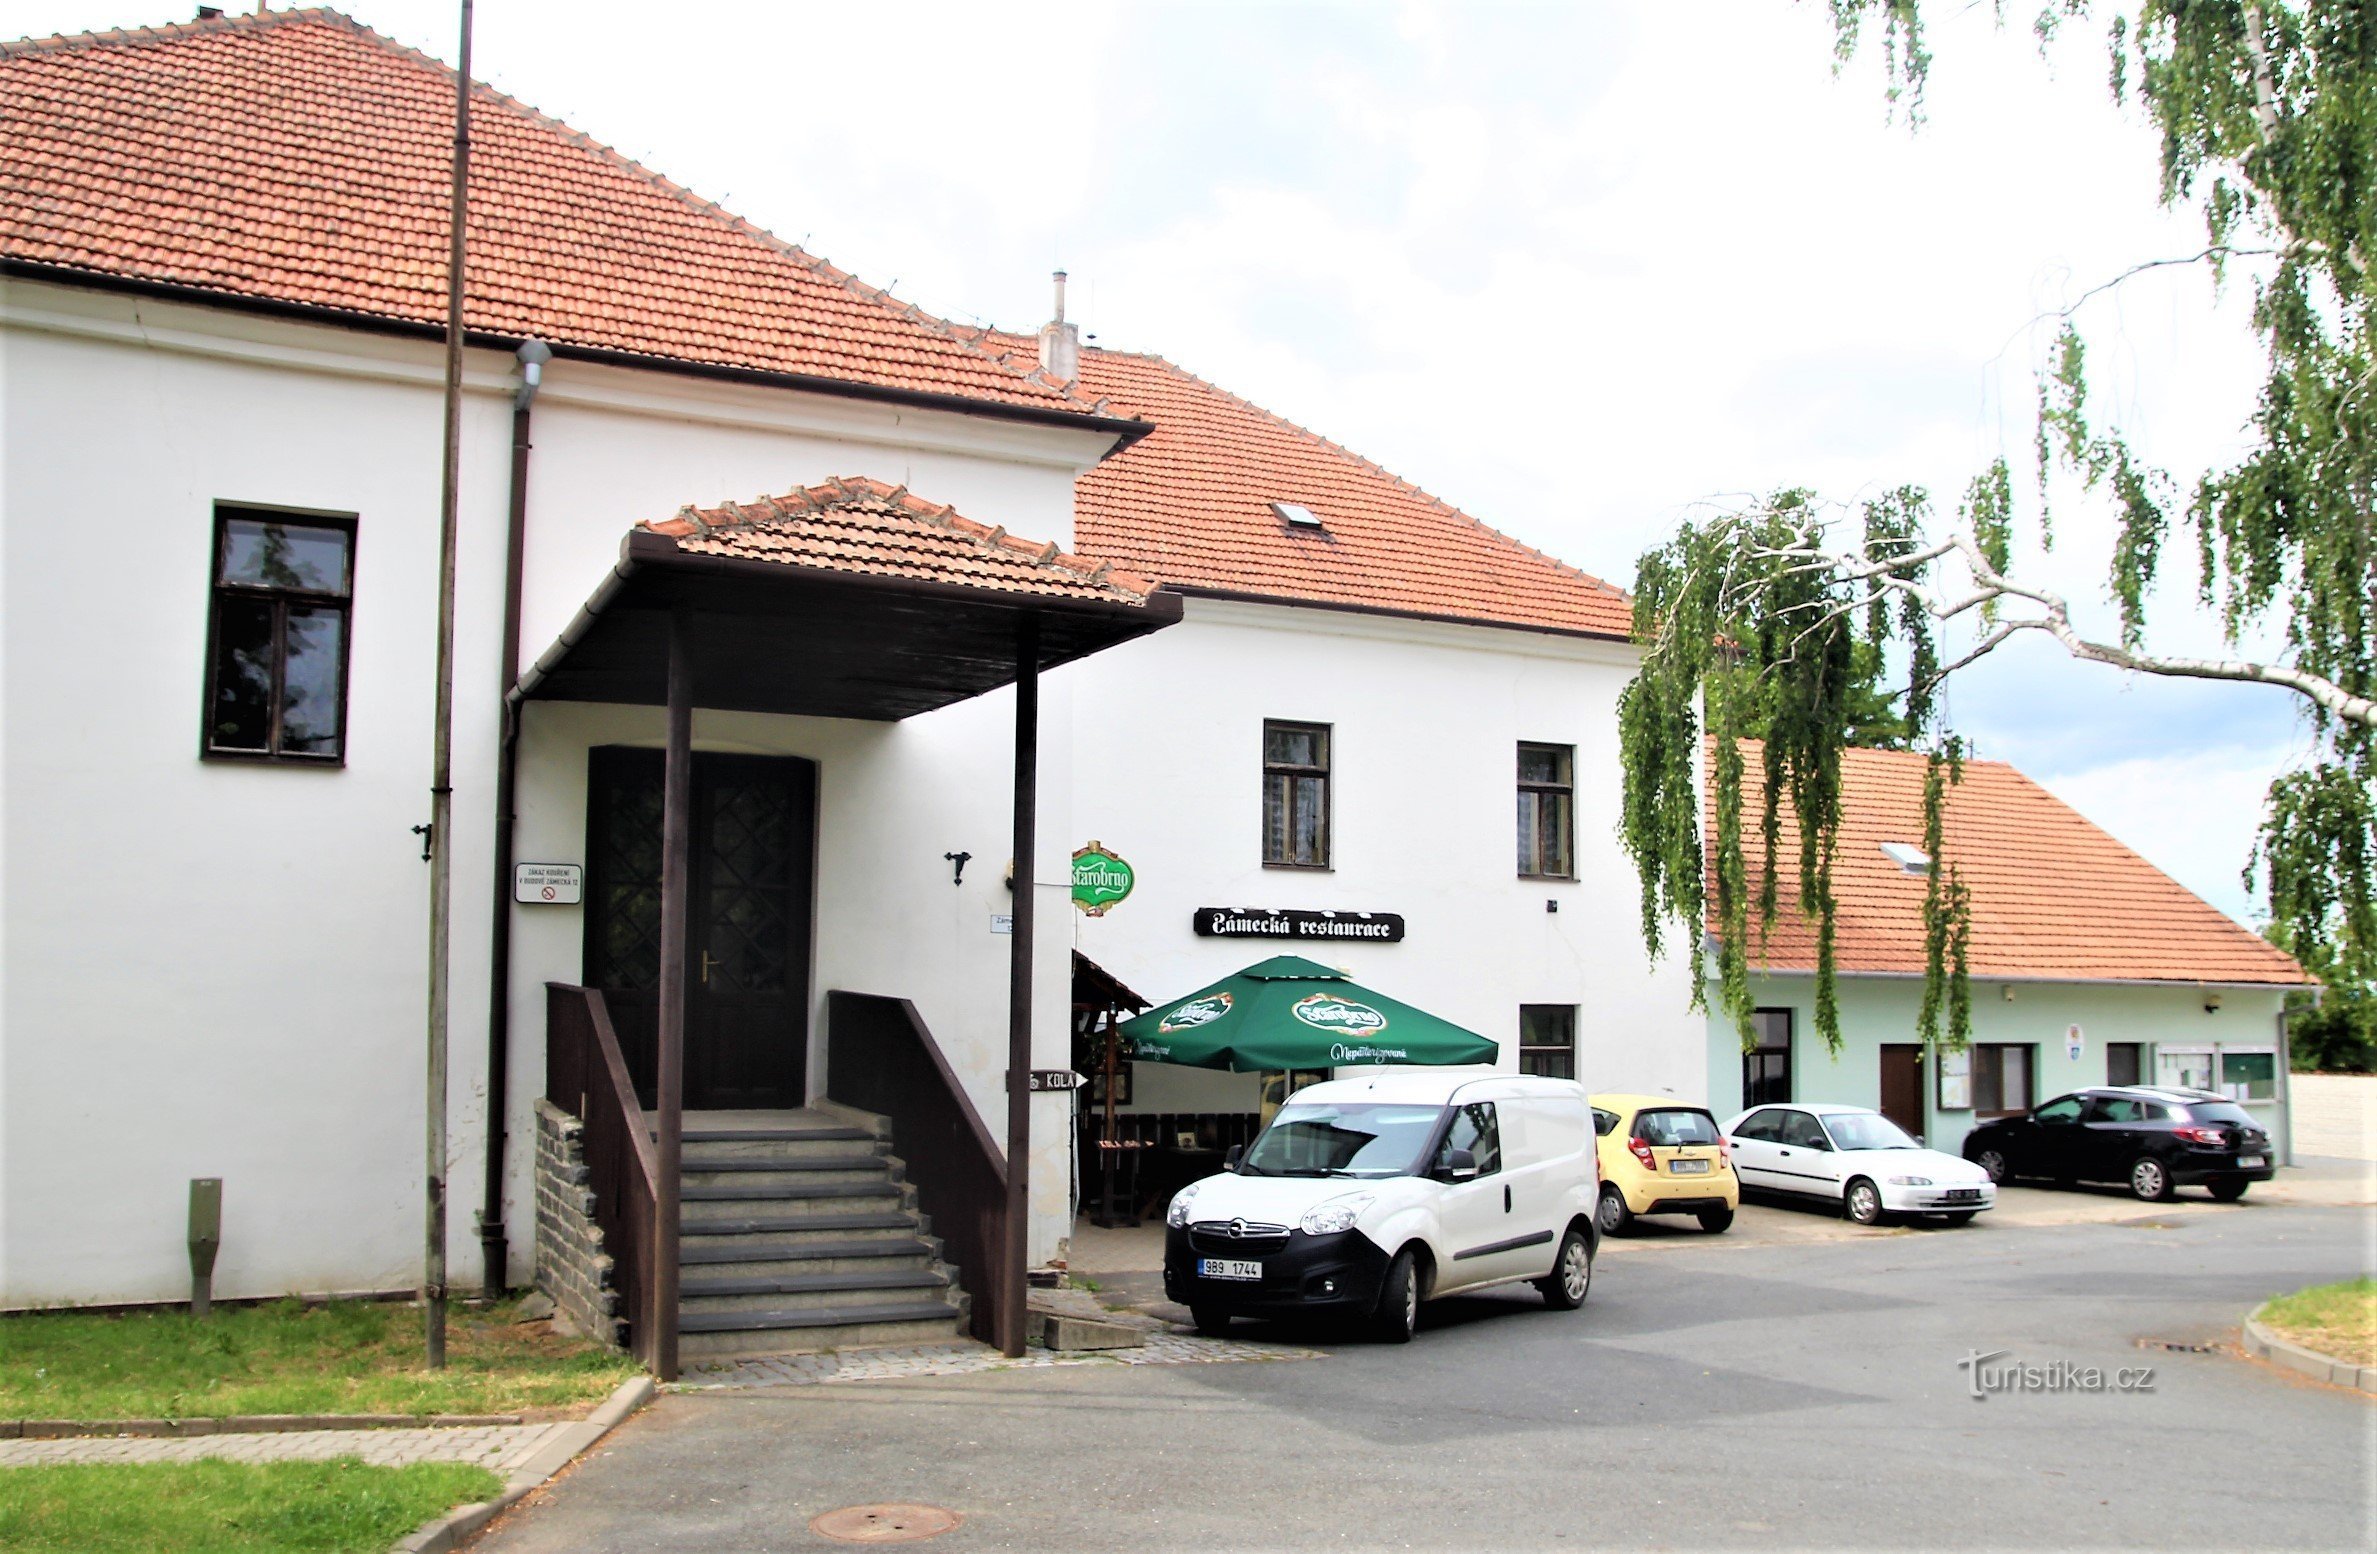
(1902, 1085)
(748, 927)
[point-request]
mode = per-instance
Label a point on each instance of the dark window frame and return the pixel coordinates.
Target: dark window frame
(1989, 1079)
(1564, 1052)
(2136, 1051)
(1278, 777)
(1765, 1050)
(218, 591)
(1564, 790)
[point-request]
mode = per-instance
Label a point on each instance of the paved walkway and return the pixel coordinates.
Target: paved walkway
(968, 1359)
(500, 1447)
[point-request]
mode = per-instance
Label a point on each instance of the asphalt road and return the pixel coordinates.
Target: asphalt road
(1791, 1396)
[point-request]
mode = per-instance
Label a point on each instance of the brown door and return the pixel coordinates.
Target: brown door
(1902, 1085)
(747, 933)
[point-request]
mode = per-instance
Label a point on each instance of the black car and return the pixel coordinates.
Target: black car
(2154, 1138)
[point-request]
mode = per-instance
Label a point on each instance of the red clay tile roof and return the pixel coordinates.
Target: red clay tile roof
(854, 524)
(1190, 505)
(2053, 897)
(299, 157)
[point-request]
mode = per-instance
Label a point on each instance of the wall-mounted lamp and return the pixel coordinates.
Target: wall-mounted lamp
(2008, 990)
(2211, 1003)
(957, 866)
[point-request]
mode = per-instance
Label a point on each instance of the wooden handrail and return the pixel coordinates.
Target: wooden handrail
(586, 1075)
(881, 1058)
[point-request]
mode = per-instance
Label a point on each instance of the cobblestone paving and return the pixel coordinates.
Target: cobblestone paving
(966, 1359)
(500, 1447)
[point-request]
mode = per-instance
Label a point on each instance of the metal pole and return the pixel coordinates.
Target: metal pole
(441, 785)
(676, 881)
(1014, 1274)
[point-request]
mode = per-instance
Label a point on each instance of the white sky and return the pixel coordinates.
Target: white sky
(1574, 267)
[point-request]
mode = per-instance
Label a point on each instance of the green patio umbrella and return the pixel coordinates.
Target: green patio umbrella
(1289, 1012)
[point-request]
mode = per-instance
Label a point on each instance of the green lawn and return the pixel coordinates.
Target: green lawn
(228, 1507)
(2338, 1320)
(345, 1357)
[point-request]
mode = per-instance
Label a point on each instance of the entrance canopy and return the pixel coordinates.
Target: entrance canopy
(853, 599)
(1291, 1013)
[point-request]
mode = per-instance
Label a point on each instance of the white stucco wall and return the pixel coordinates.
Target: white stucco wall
(217, 968)
(1427, 720)
(1878, 1010)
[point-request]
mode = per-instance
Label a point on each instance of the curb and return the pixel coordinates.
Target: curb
(2264, 1345)
(451, 1530)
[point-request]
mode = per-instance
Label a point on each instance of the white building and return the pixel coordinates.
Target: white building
(221, 289)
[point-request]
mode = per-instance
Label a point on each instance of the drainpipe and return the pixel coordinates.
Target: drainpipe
(494, 1251)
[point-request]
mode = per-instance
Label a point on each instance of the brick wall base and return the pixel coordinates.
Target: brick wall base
(571, 1265)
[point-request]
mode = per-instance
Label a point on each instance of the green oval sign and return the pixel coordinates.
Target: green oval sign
(1100, 879)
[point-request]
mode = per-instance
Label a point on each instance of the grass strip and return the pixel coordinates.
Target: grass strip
(2337, 1320)
(340, 1357)
(229, 1507)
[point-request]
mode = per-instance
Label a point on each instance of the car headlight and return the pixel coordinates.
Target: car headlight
(1337, 1214)
(1910, 1181)
(1177, 1215)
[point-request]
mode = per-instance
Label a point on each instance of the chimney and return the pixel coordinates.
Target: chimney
(1060, 342)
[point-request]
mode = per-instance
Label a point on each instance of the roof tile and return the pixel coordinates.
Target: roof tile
(855, 524)
(298, 156)
(2054, 898)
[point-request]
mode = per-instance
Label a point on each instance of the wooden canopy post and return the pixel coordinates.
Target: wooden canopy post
(1014, 1272)
(676, 880)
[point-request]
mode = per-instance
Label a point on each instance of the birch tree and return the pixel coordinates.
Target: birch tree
(1774, 621)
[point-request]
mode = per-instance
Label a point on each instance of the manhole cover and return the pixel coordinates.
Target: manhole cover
(884, 1523)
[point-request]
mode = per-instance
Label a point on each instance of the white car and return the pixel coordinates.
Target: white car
(1365, 1197)
(1855, 1157)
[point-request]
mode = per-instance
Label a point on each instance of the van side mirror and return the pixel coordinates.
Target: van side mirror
(1459, 1165)
(1236, 1154)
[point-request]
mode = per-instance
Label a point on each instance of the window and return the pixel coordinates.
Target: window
(1676, 1128)
(2116, 1108)
(2249, 1076)
(2001, 1080)
(1799, 1130)
(1603, 1121)
(1547, 1040)
(2062, 1111)
(276, 656)
(1766, 1068)
(1547, 812)
(2184, 1069)
(1764, 1127)
(1475, 1130)
(2122, 1065)
(1296, 795)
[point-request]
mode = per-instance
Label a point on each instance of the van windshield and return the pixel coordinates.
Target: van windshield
(1368, 1141)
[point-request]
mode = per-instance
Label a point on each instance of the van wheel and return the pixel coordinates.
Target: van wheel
(1864, 1201)
(1212, 1321)
(1398, 1303)
(1616, 1219)
(1571, 1278)
(1717, 1221)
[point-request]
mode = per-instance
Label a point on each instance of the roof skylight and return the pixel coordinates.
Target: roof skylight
(1297, 516)
(1910, 858)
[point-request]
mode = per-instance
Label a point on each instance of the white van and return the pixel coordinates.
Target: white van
(1366, 1196)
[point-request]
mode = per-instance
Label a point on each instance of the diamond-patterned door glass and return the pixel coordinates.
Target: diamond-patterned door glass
(630, 871)
(750, 884)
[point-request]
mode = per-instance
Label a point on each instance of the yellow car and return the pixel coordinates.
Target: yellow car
(1660, 1155)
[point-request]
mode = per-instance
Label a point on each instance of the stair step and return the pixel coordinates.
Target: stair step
(816, 1316)
(728, 1252)
(806, 1291)
(801, 1134)
(785, 1224)
(745, 1163)
(784, 1192)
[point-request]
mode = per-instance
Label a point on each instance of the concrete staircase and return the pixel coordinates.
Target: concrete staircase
(802, 1233)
